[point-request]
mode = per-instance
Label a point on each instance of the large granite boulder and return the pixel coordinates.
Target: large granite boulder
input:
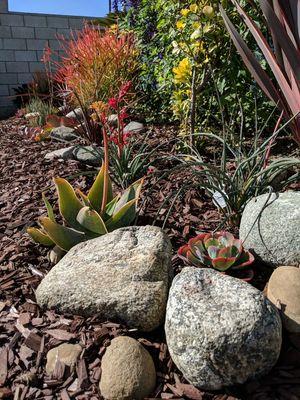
(220, 330)
(128, 371)
(271, 228)
(123, 275)
(284, 292)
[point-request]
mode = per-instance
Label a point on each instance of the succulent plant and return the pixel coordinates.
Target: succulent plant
(221, 251)
(87, 216)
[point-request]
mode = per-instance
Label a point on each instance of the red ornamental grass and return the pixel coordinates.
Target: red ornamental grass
(96, 63)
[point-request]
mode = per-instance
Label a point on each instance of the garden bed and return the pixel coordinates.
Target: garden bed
(30, 332)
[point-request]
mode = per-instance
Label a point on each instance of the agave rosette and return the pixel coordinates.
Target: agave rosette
(221, 251)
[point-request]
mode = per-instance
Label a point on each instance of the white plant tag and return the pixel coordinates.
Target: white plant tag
(219, 200)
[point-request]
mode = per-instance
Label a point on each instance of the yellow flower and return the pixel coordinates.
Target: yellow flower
(208, 11)
(99, 106)
(196, 25)
(183, 71)
(194, 8)
(185, 12)
(180, 25)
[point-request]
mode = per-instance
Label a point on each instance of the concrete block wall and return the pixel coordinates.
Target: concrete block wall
(23, 38)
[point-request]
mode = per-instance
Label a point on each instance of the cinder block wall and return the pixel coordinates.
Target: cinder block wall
(23, 38)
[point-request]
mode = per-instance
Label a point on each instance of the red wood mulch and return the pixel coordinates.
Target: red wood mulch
(27, 333)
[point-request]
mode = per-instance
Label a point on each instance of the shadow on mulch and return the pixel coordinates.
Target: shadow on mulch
(27, 333)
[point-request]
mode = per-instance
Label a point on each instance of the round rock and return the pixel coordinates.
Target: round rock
(66, 354)
(123, 275)
(90, 155)
(271, 228)
(284, 292)
(220, 330)
(128, 371)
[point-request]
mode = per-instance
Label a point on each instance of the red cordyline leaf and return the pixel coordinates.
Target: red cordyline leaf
(284, 23)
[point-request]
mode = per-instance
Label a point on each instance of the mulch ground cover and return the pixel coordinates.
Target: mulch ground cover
(27, 332)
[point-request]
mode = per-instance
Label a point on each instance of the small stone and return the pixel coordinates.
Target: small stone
(271, 228)
(123, 275)
(284, 292)
(77, 113)
(65, 353)
(113, 120)
(65, 153)
(220, 330)
(89, 155)
(63, 133)
(128, 371)
(32, 115)
(134, 127)
(56, 254)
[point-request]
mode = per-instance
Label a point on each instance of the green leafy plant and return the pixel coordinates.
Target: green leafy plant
(87, 216)
(220, 251)
(42, 108)
(154, 25)
(243, 173)
(282, 56)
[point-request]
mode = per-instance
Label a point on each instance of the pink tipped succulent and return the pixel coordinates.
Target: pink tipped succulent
(220, 251)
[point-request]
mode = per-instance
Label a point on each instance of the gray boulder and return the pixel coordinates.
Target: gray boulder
(90, 155)
(275, 236)
(128, 371)
(220, 330)
(63, 133)
(134, 127)
(122, 275)
(65, 153)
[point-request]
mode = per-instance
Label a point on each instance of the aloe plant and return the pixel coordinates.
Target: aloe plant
(283, 56)
(220, 251)
(86, 216)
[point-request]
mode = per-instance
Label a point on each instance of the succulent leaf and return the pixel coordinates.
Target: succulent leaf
(91, 220)
(122, 217)
(220, 251)
(95, 195)
(62, 236)
(49, 208)
(40, 237)
(131, 193)
(69, 204)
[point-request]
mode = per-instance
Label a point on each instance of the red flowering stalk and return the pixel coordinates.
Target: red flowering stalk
(119, 105)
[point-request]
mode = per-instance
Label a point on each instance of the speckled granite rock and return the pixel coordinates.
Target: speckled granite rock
(65, 353)
(275, 237)
(77, 113)
(123, 275)
(220, 330)
(128, 371)
(134, 127)
(284, 292)
(63, 133)
(65, 153)
(89, 155)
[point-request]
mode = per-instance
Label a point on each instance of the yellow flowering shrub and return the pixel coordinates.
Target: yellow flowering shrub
(199, 32)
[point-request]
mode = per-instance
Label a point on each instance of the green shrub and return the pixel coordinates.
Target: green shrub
(154, 24)
(43, 108)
